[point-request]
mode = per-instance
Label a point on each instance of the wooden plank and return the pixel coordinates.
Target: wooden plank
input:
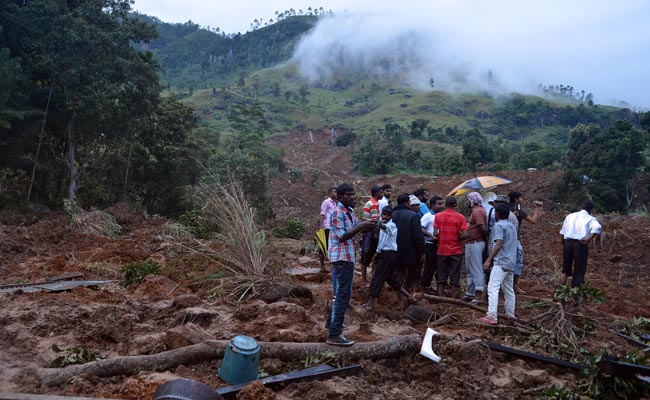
(29, 396)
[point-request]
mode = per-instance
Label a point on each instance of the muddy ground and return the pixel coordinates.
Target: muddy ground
(173, 310)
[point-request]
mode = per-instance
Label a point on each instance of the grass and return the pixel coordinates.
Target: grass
(244, 251)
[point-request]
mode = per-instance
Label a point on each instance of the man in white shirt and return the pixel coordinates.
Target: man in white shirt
(436, 204)
(578, 230)
(386, 262)
(387, 189)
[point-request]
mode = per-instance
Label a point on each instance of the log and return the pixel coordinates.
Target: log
(130, 365)
(470, 305)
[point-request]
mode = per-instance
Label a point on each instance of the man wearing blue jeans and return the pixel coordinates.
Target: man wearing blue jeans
(343, 227)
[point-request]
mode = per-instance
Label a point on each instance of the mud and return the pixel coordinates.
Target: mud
(174, 310)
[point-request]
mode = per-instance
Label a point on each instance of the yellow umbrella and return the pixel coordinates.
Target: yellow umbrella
(320, 240)
(479, 183)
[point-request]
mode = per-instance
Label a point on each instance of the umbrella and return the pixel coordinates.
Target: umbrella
(479, 183)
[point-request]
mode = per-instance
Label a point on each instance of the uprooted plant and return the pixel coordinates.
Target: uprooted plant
(557, 333)
(244, 254)
(94, 222)
(638, 328)
(72, 356)
(599, 384)
(578, 294)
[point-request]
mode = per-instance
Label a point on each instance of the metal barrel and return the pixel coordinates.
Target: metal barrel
(241, 361)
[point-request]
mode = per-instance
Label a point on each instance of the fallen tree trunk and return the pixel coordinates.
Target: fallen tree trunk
(470, 305)
(129, 365)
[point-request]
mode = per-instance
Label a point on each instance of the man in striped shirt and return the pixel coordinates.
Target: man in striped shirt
(343, 227)
(371, 239)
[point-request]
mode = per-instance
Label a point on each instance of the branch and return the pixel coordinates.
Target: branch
(470, 305)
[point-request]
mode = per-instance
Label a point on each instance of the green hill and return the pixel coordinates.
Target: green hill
(192, 57)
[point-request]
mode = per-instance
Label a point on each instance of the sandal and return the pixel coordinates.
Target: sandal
(367, 307)
(476, 302)
(467, 298)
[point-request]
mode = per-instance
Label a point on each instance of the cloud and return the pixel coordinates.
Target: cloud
(598, 46)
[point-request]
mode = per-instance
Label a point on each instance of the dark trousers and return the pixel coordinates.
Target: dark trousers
(574, 261)
(430, 258)
(408, 275)
(369, 244)
(343, 293)
(385, 263)
(448, 268)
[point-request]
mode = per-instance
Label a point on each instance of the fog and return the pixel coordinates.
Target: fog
(497, 47)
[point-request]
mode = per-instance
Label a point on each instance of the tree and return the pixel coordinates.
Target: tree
(418, 127)
(610, 160)
(85, 46)
(247, 157)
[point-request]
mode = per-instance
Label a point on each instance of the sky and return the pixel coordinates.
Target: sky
(599, 46)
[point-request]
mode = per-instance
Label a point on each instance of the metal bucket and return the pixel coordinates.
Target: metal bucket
(185, 389)
(241, 360)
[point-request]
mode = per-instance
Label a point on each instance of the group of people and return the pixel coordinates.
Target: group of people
(422, 240)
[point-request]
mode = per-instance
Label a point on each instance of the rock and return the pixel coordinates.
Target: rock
(418, 314)
(196, 315)
(500, 381)
(285, 308)
(308, 262)
(185, 335)
(271, 294)
(186, 300)
(301, 292)
(529, 378)
(470, 350)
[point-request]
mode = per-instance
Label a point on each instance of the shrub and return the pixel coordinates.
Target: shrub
(291, 229)
(13, 188)
(135, 273)
(198, 224)
(345, 139)
(245, 250)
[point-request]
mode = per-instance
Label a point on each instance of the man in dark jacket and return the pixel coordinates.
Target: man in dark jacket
(410, 244)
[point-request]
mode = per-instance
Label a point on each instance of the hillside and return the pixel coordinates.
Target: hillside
(439, 131)
(193, 57)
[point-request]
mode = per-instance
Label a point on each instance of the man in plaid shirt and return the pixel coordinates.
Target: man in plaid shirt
(343, 226)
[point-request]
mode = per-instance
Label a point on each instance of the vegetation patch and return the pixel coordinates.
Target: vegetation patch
(579, 294)
(291, 229)
(93, 222)
(136, 272)
(72, 356)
